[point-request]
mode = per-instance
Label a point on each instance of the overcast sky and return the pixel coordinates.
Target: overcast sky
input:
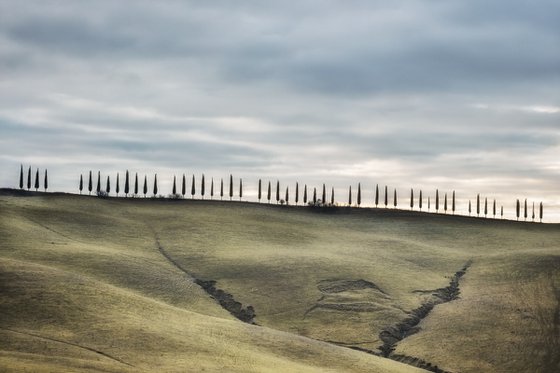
(460, 95)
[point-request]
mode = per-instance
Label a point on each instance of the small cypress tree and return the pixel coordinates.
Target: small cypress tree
(193, 187)
(533, 219)
(277, 191)
(136, 184)
(268, 193)
(485, 206)
(314, 196)
(428, 203)
(395, 198)
(98, 189)
(46, 181)
(81, 183)
(202, 187)
(184, 186)
(297, 193)
(287, 196)
(445, 203)
(420, 200)
(29, 178)
(502, 211)
(37, 180)
(494, 209)
(470, 209)
(221, 189)
(453, 203)
(155, 185)
(127, 184)
(376, 195)
(411, 198)
(324, 195)
(174, 186)
(21, 177)
(350, 196)
(525, 214)
(240, 188)
(332, 196)
(478, 205)
(437, 200)
(359, 196)
(305, 194)
(517, 209)
(260, 191)
(117, 188)
(145, 189)
(212, 188)
(541, 211)
(230, 187)
(386, 197)
(108, 186)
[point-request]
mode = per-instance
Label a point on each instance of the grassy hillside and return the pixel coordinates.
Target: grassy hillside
(110, 285)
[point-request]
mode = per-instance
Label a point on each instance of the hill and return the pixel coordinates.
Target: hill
(144, 284)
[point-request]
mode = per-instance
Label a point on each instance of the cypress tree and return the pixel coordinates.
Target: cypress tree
(108, 186)
(287, 196)
(212, 188)
(240, 188)
(359, 197)
(324, 195)
(470, 210)
(184, 186)
(155, 185)
(395, 198)
(485, 206)
(428, 203)
(46, 181)
(145, 189)
(297, 193)
(478, 205)
(269, 193)
(305, 194)
(193, 187)
(376, 195)
(502, 211)
(517, 209)
(37, 180)
(445, 203)
(541, 211)
(21, 177)
(136, 184)
(437, 200)
(314, 196)
(260, 191)
(411, 198)
(494, 209)
(29, 178)
(277, 191)
(117, 188)
(420, 200)
(230, 187)
(525, 214)
(81, 183)
(202, 187)
(350, 196)
(533, 212)
(174, 186)
(386, 197)
(332, 196)
(453, 203)
(98, 189)
(127, 184)
(221, 189)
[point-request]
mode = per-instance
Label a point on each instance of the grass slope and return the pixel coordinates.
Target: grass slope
(85, 286)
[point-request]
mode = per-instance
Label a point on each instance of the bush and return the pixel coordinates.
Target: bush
(102, 194)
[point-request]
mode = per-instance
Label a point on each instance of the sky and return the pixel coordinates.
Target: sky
(448, 95)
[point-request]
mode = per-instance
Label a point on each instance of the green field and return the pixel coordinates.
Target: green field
(112, 285)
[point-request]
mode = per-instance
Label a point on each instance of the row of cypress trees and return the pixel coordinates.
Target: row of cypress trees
(36, 184)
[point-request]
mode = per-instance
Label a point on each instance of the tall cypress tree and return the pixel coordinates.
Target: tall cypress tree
(376, 195)
(202, 187)
(324, 195)
(411, 198)
(21, 177)
(297, 193)
(240, 188)
(395, 198)
(29, 178)
(453, 203)
(126, 184)
(485, 207)
(541, 211)
(184, 186)
(502, 211)
(332, 196)
(145, 189)
(494, 209)
(420, 200)
(174, 186)
(437, 200)
(46, 181)
(277, 191)
(350, 196)
(269, 193)
(117, 188)
(428, 203)
(81, 183)
(230, 187)
(445, 203)
(108, 186)
(386, 197)
(478, 205)
(525, 214)
(517, 209)
(305, 194)
(359, 196)
(221, 189)
(314, 196)
(37, 180)
(136, 184)
(212, 188)
(470, 209)
(193, 187)
(260, 191)
(533, 219)
(287, 195)
(98, 189)
(155, 185)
